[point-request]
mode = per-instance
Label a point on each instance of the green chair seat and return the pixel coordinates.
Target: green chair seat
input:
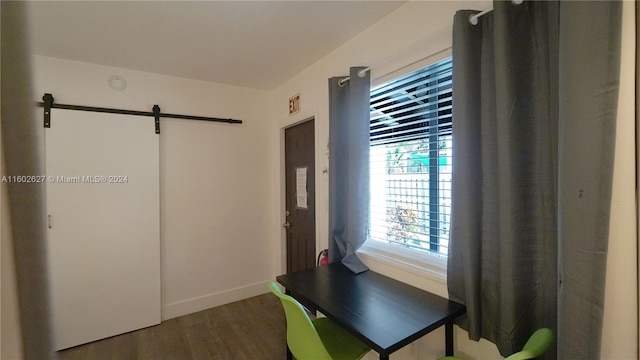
(320, 339)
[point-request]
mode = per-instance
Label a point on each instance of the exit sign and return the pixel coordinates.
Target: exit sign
(294, 104)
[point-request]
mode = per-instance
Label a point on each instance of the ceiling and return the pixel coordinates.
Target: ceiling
(255, 44)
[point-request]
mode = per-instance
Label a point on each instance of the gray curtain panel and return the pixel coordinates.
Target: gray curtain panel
(502, 261)
(518, 136)
(349, 168)
(590, 35)
(26, 200)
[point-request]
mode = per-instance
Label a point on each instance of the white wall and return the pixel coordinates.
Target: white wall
(620, 327)
(213, 199)
(413, 32)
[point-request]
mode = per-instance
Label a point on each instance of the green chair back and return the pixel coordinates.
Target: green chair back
(537, 344)
(302, 338)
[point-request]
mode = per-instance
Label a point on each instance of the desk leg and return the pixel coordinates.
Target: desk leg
(384, 357)
(448, 329)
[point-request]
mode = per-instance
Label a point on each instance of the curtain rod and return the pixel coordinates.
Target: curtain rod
(363, 71)
(473, 19)
(361, 74)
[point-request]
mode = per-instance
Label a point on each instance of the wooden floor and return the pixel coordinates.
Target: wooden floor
(248, 329)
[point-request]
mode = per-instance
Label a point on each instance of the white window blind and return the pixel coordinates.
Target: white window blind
(411, 159)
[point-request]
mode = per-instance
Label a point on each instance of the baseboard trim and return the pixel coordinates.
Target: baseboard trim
(185, 307)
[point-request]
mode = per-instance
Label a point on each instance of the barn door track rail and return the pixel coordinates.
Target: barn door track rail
(48, 104)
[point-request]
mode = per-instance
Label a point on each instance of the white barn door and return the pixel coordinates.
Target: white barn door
(104, 224)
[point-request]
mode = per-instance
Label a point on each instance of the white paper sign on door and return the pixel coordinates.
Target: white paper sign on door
(301, 188)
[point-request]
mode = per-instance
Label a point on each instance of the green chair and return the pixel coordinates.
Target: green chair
(320, 339)
(537, 344)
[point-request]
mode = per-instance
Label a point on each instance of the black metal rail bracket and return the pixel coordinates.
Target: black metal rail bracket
(156, 115)
(48, 103)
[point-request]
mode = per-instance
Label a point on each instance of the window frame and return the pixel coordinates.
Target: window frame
(421, 263)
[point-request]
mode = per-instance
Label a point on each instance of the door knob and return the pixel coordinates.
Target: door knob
(286, 225)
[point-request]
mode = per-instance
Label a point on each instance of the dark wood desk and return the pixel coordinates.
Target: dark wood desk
(384, 313)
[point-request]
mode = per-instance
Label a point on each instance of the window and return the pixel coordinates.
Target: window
(411, 160)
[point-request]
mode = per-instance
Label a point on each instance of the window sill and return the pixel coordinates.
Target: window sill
(421, 264)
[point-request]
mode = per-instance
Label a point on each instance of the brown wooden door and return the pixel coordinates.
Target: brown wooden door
(300, 193)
